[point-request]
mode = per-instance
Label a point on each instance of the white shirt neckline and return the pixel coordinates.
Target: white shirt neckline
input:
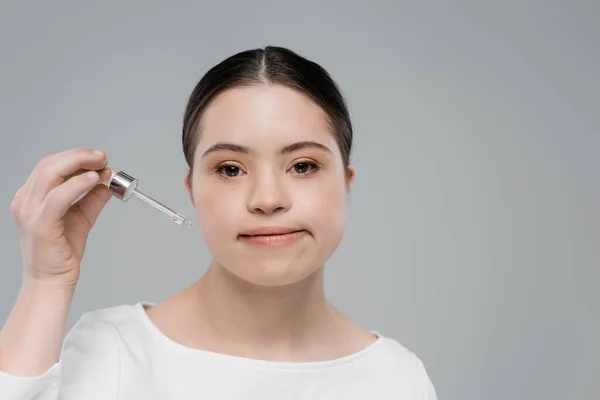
(251, 362)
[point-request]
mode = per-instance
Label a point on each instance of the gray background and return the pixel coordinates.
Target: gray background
(473, 236)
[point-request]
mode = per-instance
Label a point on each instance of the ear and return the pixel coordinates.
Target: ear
(188, 185)
(350, 176)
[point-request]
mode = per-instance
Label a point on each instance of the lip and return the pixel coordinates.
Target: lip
(272, 236)
(270, 230)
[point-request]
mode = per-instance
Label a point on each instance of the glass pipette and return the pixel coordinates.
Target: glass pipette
(123, 186)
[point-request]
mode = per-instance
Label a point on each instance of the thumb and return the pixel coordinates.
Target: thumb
(92, 204)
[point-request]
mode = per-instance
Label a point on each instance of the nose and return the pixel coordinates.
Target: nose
(268, 195)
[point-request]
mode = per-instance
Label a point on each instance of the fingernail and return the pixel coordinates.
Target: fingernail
(92, 175)
(99, 152)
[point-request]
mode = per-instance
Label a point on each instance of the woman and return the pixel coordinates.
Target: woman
(267, 137)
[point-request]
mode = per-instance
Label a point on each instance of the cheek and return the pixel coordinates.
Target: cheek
(217, 214)
(325, 210)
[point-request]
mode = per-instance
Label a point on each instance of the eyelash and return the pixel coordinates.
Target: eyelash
(313, 167)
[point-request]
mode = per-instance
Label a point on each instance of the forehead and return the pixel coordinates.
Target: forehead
(264, 116)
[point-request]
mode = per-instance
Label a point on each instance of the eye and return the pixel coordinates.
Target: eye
(305, 167)
(229, 170)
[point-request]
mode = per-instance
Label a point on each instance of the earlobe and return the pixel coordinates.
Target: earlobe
(350, 176)
(188, 185)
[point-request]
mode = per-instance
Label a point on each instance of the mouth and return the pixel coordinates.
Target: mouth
(272, 236)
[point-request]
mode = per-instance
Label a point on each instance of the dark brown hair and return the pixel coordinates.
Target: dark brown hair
(269, 65)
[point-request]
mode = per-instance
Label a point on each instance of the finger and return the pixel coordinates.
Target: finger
(105, 175)
(54, 169)
(60, 199)
(92, 204)
(17, 203)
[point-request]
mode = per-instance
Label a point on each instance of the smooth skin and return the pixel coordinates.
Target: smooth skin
(264, 302)
(258, 302)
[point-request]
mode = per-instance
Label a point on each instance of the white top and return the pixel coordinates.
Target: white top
(118, 353)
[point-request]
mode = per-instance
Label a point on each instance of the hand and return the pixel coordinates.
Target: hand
(53, 228)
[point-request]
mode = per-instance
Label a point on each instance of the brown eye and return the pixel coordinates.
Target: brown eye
(304, 167)
(230, 171)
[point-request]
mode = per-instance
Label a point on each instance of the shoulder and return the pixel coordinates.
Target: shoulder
(105, 326)
(405, 367)
(109, 315)
(98, 325)
(91, 353)
(395, 354)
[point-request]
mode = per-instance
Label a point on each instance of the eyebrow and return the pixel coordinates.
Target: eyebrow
(236, 148)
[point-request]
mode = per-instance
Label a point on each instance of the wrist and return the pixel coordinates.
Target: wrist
(34, 286)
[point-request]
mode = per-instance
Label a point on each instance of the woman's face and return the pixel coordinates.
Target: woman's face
(267, 164)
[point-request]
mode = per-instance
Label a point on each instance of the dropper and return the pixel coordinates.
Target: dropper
(123, 186)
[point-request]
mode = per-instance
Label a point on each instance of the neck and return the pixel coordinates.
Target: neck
(290, 319)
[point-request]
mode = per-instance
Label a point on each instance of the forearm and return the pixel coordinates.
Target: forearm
(31, 339)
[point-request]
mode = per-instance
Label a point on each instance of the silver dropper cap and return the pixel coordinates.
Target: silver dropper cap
(122, 185)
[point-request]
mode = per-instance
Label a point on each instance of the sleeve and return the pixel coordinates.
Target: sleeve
(41, 387)
(89, 368)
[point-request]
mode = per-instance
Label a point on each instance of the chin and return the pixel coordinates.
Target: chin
(273, 272)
